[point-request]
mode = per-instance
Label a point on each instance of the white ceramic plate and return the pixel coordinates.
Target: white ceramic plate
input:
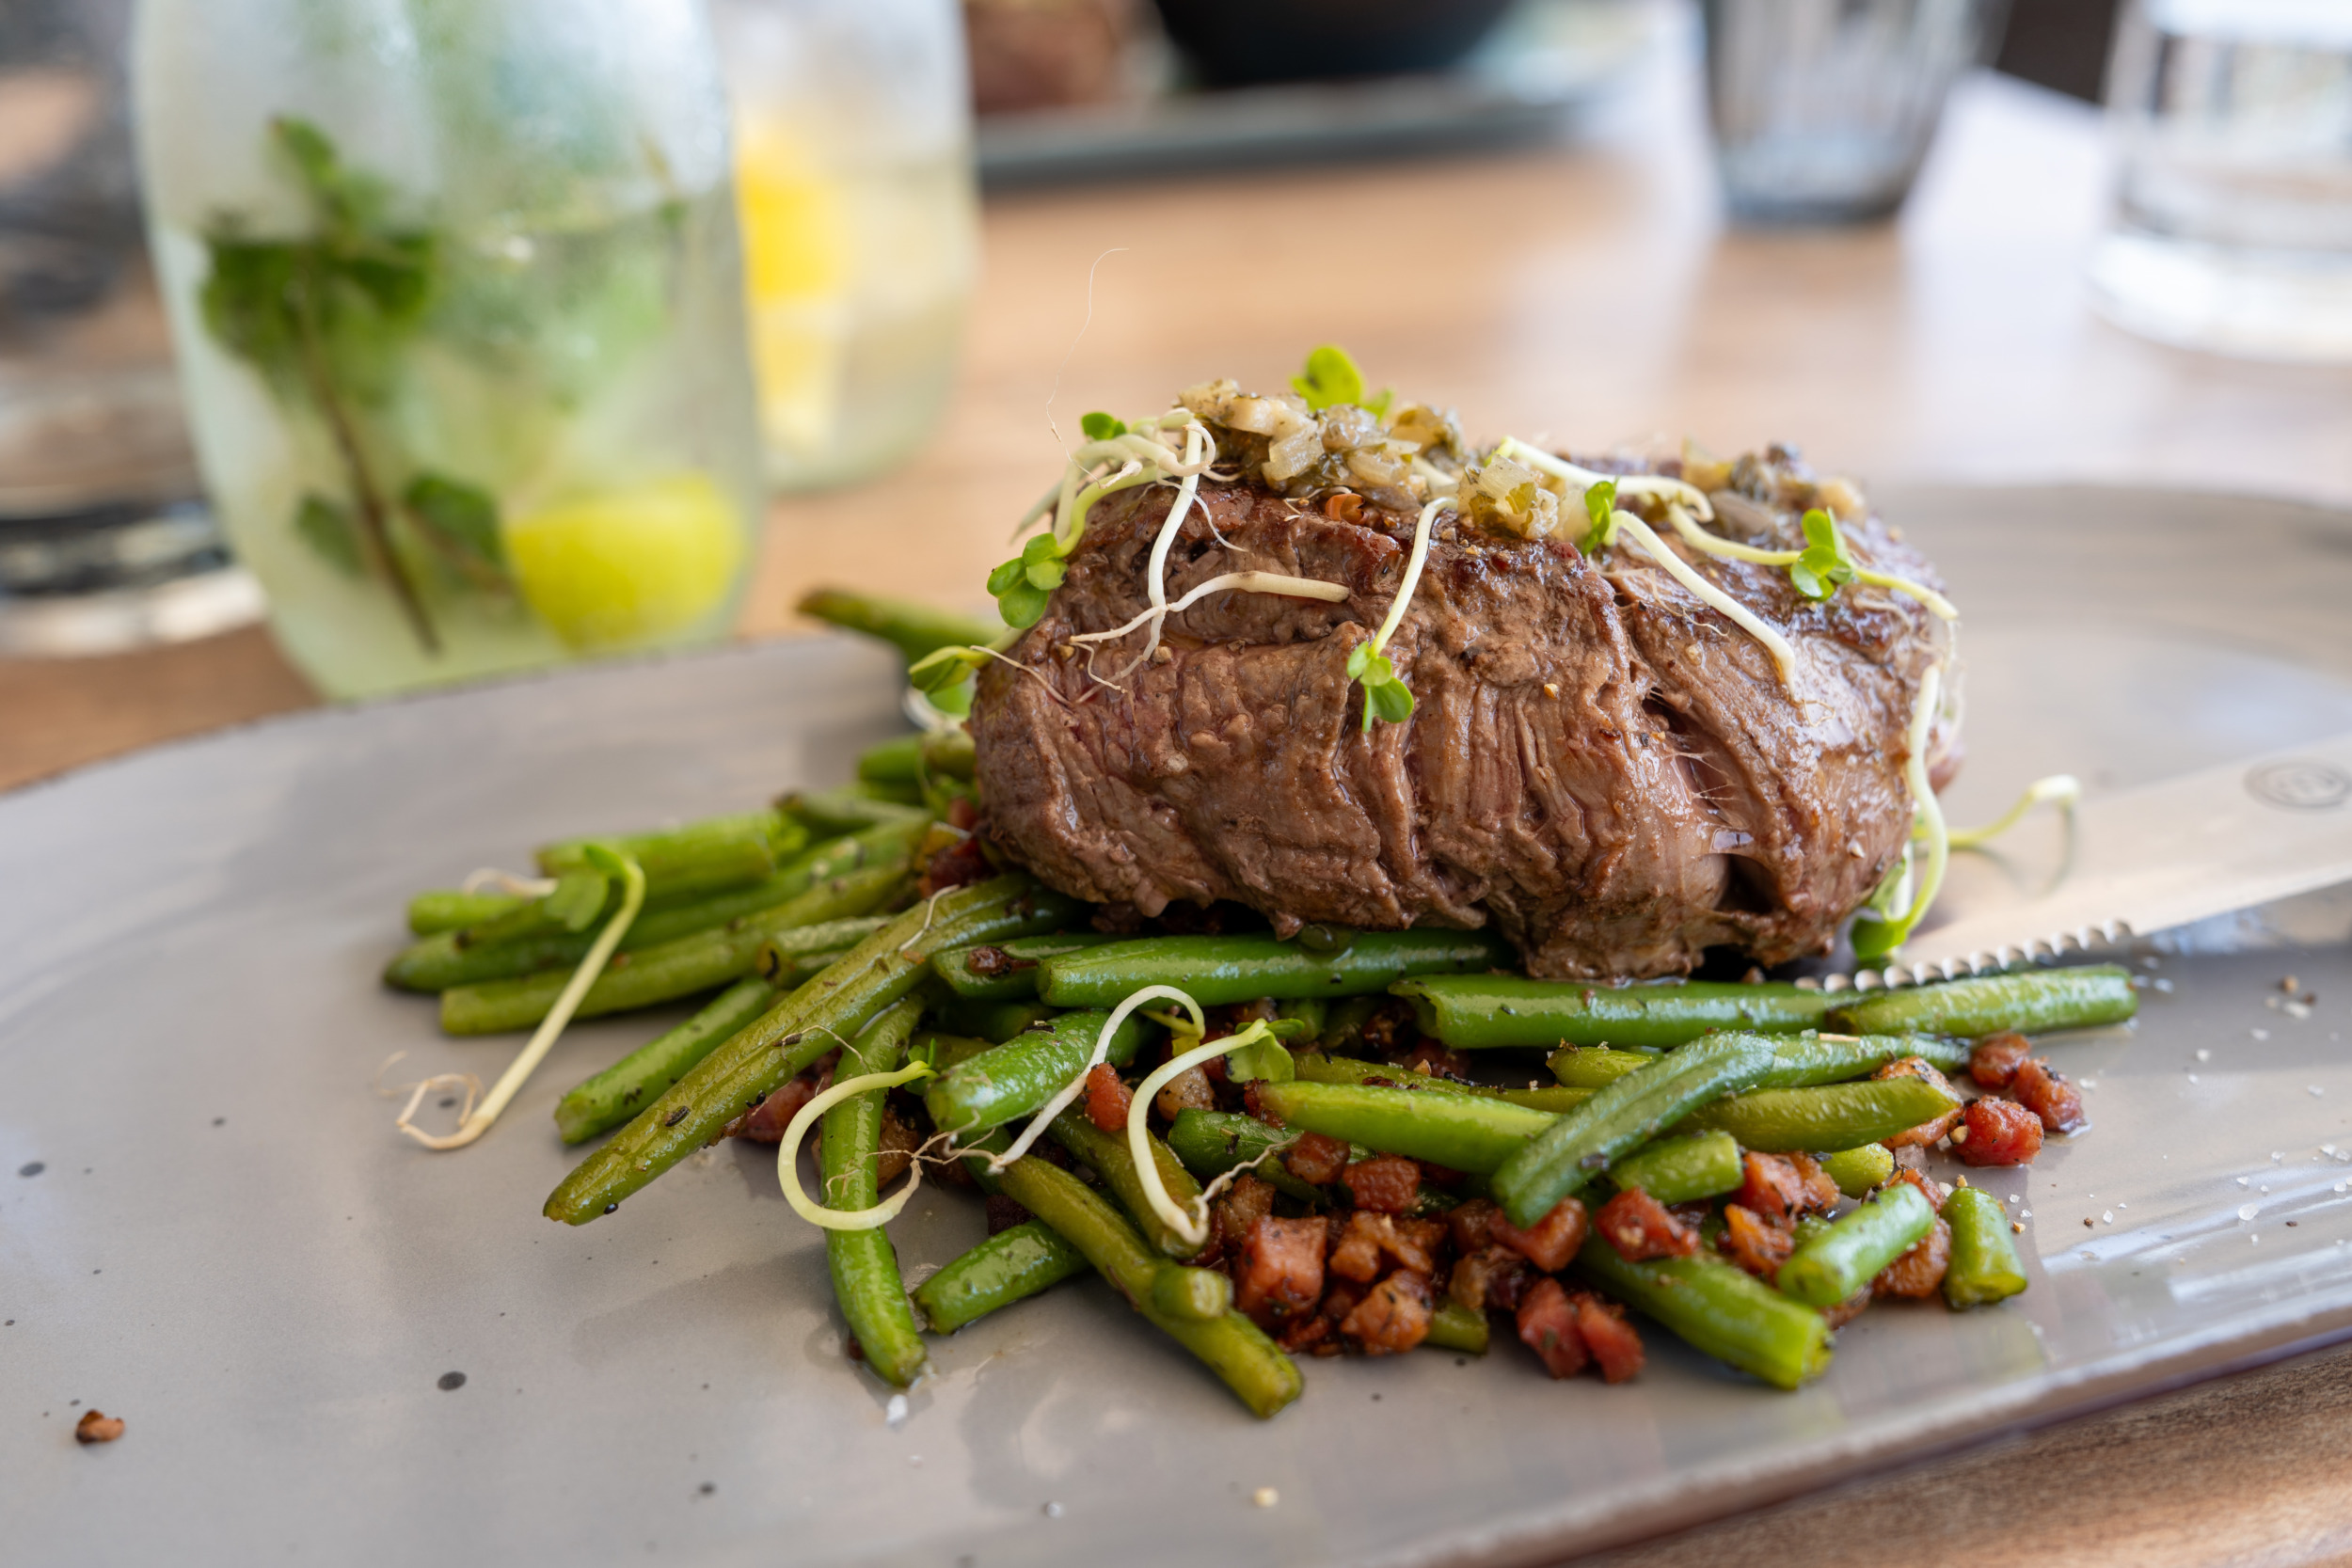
(222, 1240)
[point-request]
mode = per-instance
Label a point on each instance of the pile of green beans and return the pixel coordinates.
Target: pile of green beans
(795, 927)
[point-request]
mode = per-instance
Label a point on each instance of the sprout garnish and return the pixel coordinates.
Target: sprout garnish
(789, 1155)
(1256, 1054)
(2062, 790)
(1101, 1053)
(474, 1121)
(1386, 696)
(1878, 930)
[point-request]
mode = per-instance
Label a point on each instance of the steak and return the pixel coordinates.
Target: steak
(1597, 763)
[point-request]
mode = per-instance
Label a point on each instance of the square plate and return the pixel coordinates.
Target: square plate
(208, 1227)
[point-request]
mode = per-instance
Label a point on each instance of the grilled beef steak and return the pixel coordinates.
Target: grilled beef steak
(1608, 769)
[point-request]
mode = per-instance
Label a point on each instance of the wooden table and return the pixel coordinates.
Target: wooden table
(1591, 293)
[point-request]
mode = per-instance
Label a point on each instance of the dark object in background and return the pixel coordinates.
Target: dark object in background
(2059, 43)
(1046, 54)
(1238, 43)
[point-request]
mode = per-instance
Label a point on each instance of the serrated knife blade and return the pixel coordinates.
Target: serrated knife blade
(2140, 861)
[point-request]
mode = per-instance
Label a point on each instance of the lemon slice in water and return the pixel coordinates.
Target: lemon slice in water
(628, 565)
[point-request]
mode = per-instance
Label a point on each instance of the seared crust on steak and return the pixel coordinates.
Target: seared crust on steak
(1608, 769)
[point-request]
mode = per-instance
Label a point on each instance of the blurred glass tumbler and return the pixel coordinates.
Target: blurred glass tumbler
(2231, 121)
(459, 309)
(1824, 109)
(861, 231)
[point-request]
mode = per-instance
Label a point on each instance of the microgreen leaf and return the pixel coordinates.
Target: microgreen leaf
(1331, 378)
(1600, 505)
(1392, 699)
(1361, 660)
(579, 896)
(1023, 605)
(1385, 695)
(1826, 564)
(1002, 580)
(944, 668)
(1101, 427)
(1264, 1060)
(1041, 562)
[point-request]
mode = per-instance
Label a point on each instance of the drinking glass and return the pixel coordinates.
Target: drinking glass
(854, 164)
(2231, 228)
(458, 301)
(104, 544)
(1824, 109)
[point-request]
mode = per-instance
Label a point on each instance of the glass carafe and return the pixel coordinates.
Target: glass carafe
(457, 296)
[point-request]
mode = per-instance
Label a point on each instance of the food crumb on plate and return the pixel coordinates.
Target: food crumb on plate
(1266, 1497)
(96, 1426)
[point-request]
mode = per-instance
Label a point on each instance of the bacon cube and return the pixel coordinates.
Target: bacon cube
(1281, 1268)
(1997, 1132)
(1550, 1241)
(1641, 1227)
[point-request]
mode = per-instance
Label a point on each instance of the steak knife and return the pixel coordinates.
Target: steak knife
(2139, 861)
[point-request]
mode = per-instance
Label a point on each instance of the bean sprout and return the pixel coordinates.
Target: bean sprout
(1070, 1090)
(1194, 1226)
(789, 1155)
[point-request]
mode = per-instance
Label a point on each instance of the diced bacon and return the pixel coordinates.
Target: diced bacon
(1393, 1318)
(1614, 1344)
(1389, 1183)
(1004, 1213)
(1491, 1277)
(1548, 1327)
(1997, 1132)
(1281, 1268)
(1754, 1242)
(1820, 1189)
(2045, 1092)
(1301, 1335)
(1316, 1159)
(1639, 1227)
(765, 1123)
(1927, 1132)
(1997, 1058)
(1550, 1241)
(895, 1152)
(1426, 1237)
(1848, 1310)
(963, 862)
(1250, 1100)
(1107, 1098)
(994, 963)
(1926, 1183)
(1370, 1237)
(1919, 1271)
(1771, 1187)
(1189, 1090)
(1240, 1207)
(1472, 1223)
(1433, 1058)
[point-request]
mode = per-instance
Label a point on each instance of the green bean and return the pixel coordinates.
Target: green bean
(446, 959)
(896, 761)
(1461, 1131)
(790, 959)
(1195, 1294)
(1473, 1011)
(949, 754)
(916, 630)
(669, 969)
(1595, 1067)
(1822, 1120)
(1715, 1307)
(1984, 1266)
(1842, 1259)
(1313, 1011)
(1013, 1080)
(1013, 1266)
(1210, 1143)
(1455, 1327)
(1618, 1119)
(1218, 969)
(451, 909)
(1107, 1154)
(1343, 1021)
(995, 1021)
(1810, 1059)
(1018, 985)
(1858, 1170)
(864, 1266)
(785, 1040)
(1319, 1068)
(1231, 1346)
(701, 857)
(2030, 1002)
(1681, 1169)
(612, 1096)
(846, 810)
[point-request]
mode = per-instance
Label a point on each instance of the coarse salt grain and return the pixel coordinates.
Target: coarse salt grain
(2204, 1056)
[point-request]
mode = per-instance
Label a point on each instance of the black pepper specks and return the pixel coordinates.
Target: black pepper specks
(451, 1381)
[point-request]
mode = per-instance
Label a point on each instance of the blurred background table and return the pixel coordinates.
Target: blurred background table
(1588, 291)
